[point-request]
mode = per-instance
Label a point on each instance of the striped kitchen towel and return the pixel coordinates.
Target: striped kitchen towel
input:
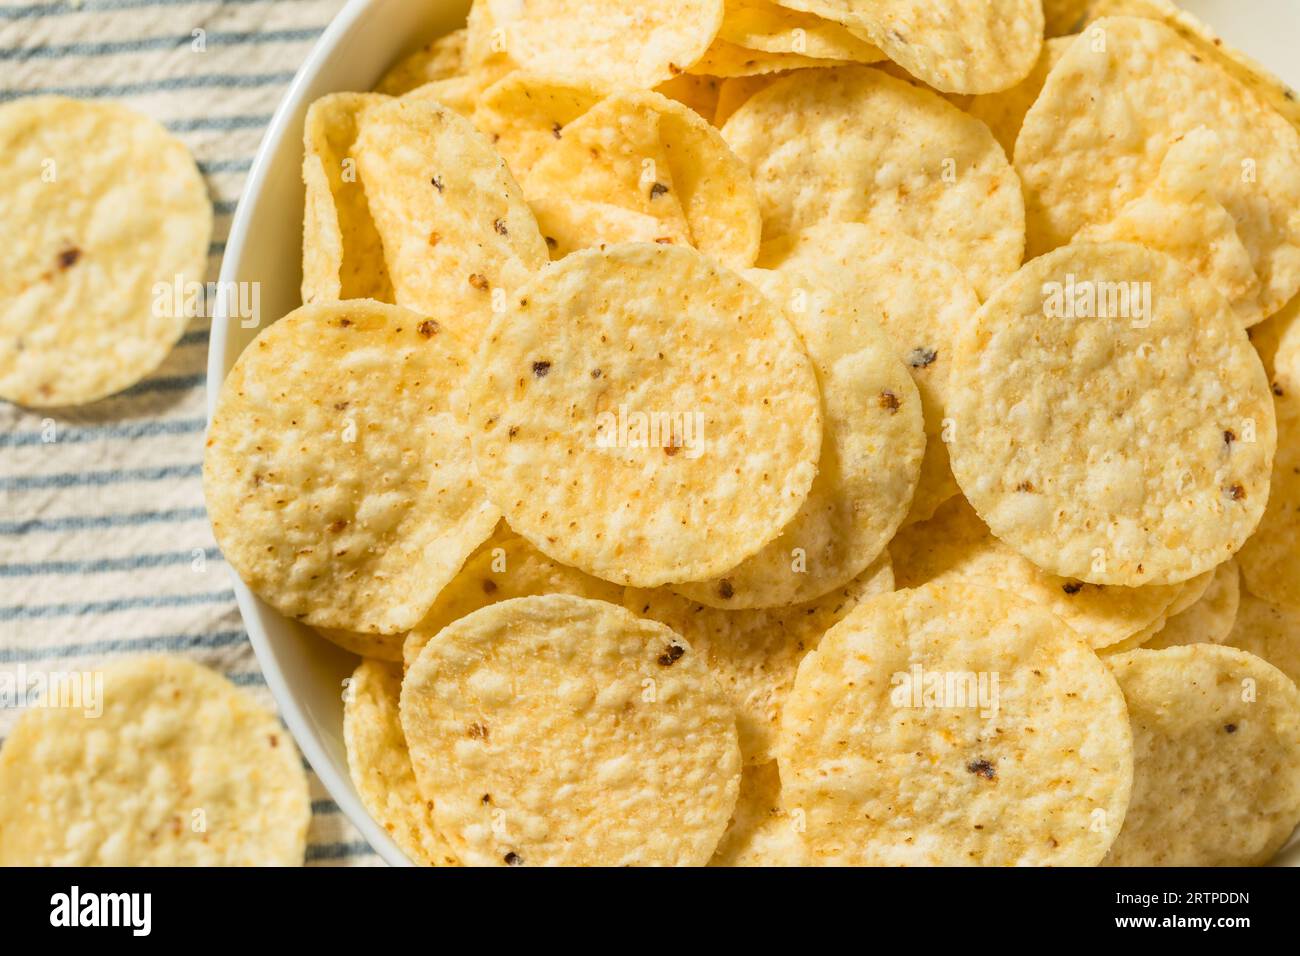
(105, 549)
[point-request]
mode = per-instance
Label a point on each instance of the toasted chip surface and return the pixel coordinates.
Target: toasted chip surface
(955, 545)
(1210, 618)
(873, 439)
(453, 221)
(1270, 631)
(102, 214)
(525, 113)
(856, 145)
(632, 43)
(1141, 75)
(380, 764)
(180, 768)
(505, 566)
(645, 416)
(899, 748)
(1269, 564)
(559, 730)
(754, 653)
(343, 256)
(921, 300)
(1216, 747)
(958, 46)
(1111, 421)
(760, 833)
(660, 161)
(438, 59)
(338, 480)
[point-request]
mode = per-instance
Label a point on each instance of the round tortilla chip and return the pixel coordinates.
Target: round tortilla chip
(955, 545)
(105, 223)
(873, 440)
(957, 46)
(1121, 95)
(627, 43)
(1207, 620)
(660, 161)
(1111, 421)
(338, 480)
(898, 747)
(181, 768)
(754, 653)
(1004, 112)
(505, 566)
(921, 301)
(856, 145)
(380, 764)
(760, 833)
(562, 731)
(1270, 631)
(1216, 750)
(524, 114)
(764, 26)
(645, 416)
(454, 223)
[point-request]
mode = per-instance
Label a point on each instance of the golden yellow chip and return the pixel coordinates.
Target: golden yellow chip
(644, 415)
(104, 222)
(1216, 748)
(1210, 618)
(438, 59)
(660, 161)
(955, 725)
(457, 235)
(754, 653)
(856, 145)
(383, 647)
(1140, 73)
(1004, 111)
(380, 764)
(1111, 421)
(921, 301)
(524, 114)
(338, 480)
(760, 833)
(1270, 631)
(505, 566)
(729, 60)
(957, 46)
(765, 26)
(630, 43)
(562, 731)
(955, 545)
(736, 90)
(873, 439)
(165, 763)
(699, 92)
(343, 257)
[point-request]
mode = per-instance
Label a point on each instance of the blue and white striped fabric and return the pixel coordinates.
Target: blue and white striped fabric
(105, 549)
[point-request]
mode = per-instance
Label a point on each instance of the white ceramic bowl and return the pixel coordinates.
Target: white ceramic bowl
(304, 671)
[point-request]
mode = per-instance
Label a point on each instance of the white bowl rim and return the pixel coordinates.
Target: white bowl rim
(339, 787)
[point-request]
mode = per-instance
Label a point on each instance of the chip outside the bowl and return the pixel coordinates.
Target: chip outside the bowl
(105, 223)
(177, 768)
(644, 415)
(558, 730)
(338, 479)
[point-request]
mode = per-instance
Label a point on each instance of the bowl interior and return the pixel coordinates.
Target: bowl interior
(304, 671)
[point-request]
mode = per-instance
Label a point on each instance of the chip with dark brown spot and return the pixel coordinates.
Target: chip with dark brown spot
(1235, 492)
(725, 590)
(540, 369)
(477, 731)
(1230, 728)
(69, 257)
(479, 281)
(1071, 587)
(513, 859)
(657, 190)
(983, 768)
(889, 401)
(671, 655)
(922, 357)
(428, 328)
(555, 130)
(489, 586)
(1025, 486)
(500, 226)
(437, 183)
